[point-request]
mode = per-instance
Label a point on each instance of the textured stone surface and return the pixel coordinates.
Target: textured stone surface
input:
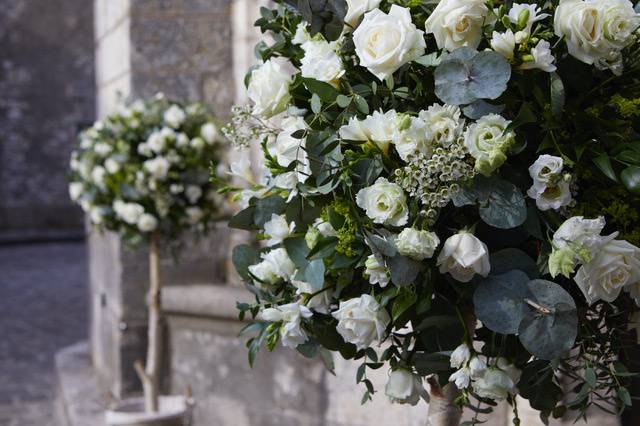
(47, 86)
(42, 309)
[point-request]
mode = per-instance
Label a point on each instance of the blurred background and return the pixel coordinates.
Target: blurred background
(72, 302)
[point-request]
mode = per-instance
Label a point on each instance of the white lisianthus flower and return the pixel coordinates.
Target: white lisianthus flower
(376, 272)
(384, 202)
(112, 165)
(75, 190)
(532, 13)
(321, 62)
(264, 274)
(209, 132)
(457, 23)
(385, 42)
(410, 137)
(291, 315)
(147, 222)
(269, 89)
(575, 241)
(404, 387)
(463, 256)
(361, 321)
(504, 43)
(128, 212)
(97, 176)
(542, 58)
(460, 356)
(182, 140)
(378, 128)
(488, 141)
(174, 116)
(286, 149)
(96, 215)
(317, 229)
(477, 367)
(320, 302)
(102, 149)
(417, 244)
(552, 196)
(193, 193)
(357, 8)
(497, 382)
(354, 130)
(282, 264)
(596, 31)
(197, 143)
(194, 215)
(546, 171)
(615, 266)
(302, 34)
(461, 378)
(277, 229)
(145, 150)
(443, 124)
(157, 167)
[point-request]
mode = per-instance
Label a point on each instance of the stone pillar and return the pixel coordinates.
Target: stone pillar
(183, 49)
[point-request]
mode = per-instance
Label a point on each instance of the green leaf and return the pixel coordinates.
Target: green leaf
(267, 207)
(631, 179)
(590, 377)
(499, 301)
(242, 257)
(557, 95)
(624, 396)
(343, 101)
(243, 219)
(327, 359)
(549, 333)
(308, 349)
(512, 258)
(405, 300)
(603, 162)
(427, 363)
(536, 384)
(297, 250)
(360, 373)
(403, 269)
(326, 92)
(314, 274)
(481, 108)
(323, 249)
(525, 116)
(430, 60)
(361, 104)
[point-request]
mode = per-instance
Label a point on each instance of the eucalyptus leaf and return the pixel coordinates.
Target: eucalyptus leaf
(480, 108)
(499, 301)
(314, 274)
(509, 259)
(242, 257)
(265, 208)
(550, 326)
(405, 300)
(403, 269)
(631, 179)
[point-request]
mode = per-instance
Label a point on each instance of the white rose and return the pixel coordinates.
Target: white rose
(384, 202)
(128, 212)
(504, 43)
(385, 42)
(376, 272)
(157, 167)
(542, 58)
(361, 321)
(197, 143)
(98, 174)
(404, 387)
(182, 140)
(616, 265)
(147, 222)
(174, 116)
(145, 150)
(269, 89)
(457, 23)
(488, 141)
(596, 31)
(417, 244)
(112, 165)
(580, 232)
(286, 149)
(321, 62)
(75, 190)
(357, 8)
(463, 256)
(532, 12)
(209, 132)
(460, 356)
(102, 149)
(291, 315)
(277, 229)
(443, 124)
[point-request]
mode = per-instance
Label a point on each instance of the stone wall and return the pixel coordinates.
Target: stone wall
(181, 48)
(47, 87)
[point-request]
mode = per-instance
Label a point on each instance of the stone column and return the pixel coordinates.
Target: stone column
(183, 49)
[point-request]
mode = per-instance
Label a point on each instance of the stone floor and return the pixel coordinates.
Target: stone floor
(43, 308)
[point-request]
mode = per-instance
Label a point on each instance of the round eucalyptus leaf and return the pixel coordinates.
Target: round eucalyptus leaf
(452, 83)
(499, 301)
(549, 328)
(512, 258)
(490, 73)
(505, 208)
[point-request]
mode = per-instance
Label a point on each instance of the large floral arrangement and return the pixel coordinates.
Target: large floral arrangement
(146, 168)
(452, 191)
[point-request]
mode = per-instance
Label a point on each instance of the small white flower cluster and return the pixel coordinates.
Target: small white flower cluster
(495, 382)
(146, 167)
(608, 265)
